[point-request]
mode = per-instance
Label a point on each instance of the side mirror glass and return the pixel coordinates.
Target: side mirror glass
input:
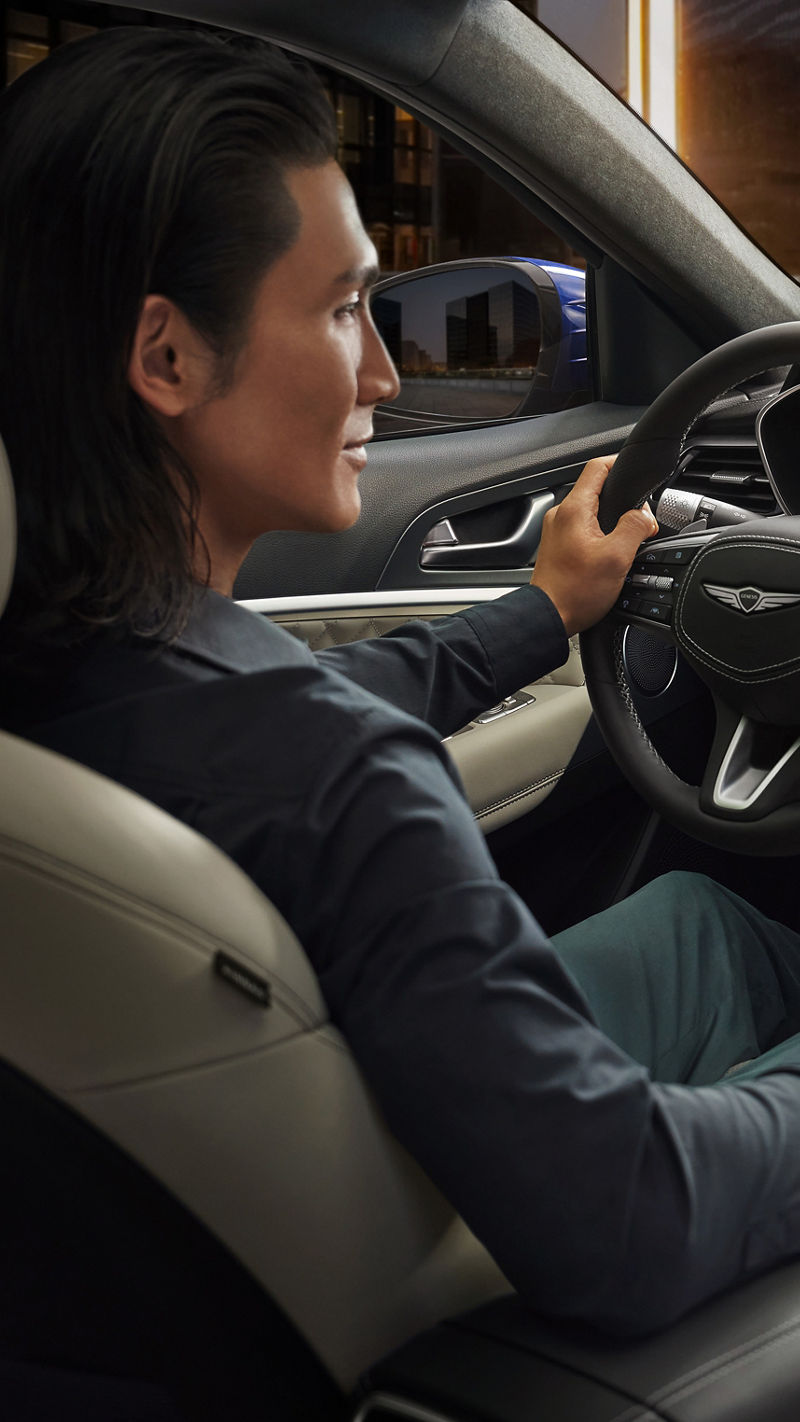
(482, 340)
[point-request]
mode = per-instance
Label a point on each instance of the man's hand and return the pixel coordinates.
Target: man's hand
(579, 567)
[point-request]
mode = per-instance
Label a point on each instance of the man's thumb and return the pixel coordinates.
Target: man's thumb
(638, 523)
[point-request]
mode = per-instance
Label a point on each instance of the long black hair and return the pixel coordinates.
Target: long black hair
(134, 161)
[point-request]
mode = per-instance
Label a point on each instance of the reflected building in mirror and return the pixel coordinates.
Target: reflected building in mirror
(388, 317)
(499, 327)
(414, 358)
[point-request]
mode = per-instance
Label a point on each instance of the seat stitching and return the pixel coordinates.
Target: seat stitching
(88, 885)
(727, 1362)
(520, 794)
(319, 1031)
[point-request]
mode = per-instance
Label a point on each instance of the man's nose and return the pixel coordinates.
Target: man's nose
(378, 380)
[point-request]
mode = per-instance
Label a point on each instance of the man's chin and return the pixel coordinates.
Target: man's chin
(344, 516)
(339, 524)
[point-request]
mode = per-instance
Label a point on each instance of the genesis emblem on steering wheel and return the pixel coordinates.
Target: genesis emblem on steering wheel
(750, 599)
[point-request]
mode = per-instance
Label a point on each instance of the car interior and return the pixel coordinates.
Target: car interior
(205, 1215)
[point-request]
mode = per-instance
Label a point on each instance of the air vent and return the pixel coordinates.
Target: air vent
(730, 472)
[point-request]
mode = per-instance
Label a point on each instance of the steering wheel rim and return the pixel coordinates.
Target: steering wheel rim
(719, 638)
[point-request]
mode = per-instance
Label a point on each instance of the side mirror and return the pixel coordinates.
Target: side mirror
(480, 340)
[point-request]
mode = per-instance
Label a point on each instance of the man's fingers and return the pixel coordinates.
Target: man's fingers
(579, 567)
(636, 525)
(593, 476)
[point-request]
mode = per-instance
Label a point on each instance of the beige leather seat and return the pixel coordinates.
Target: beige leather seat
(255, 1117)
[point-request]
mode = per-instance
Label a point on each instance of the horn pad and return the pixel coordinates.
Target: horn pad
(737, 620)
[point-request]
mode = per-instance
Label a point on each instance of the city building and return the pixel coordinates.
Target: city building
(496, 327)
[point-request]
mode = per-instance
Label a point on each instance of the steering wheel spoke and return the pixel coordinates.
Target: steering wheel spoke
(753, 769)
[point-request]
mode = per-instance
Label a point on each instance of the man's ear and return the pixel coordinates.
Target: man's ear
(170, 364)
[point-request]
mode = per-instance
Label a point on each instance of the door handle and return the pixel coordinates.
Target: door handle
(516, 551)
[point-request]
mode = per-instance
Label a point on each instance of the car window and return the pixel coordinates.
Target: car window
(423, 201)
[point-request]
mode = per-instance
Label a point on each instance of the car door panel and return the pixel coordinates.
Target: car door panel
(508, 764)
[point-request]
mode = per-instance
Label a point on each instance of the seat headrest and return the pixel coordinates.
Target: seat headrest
(8, 527)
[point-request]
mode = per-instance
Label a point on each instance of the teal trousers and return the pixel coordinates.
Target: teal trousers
(691, 981)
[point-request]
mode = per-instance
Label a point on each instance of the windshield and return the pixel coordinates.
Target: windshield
(718, 80)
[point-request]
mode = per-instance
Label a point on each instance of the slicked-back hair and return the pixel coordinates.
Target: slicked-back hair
(132, 162)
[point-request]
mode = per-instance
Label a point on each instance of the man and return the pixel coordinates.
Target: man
(189, 361)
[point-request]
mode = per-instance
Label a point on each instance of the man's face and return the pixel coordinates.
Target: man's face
(284, 446)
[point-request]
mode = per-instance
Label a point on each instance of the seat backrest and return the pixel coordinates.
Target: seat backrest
(221, 1076)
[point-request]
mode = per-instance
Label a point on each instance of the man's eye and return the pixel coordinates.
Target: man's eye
(350, 307)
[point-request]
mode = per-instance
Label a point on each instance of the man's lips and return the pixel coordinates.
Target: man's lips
(359, 441)
(354, 451)
(356, 456)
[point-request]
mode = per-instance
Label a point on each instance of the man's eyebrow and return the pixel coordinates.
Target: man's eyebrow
(358, 276)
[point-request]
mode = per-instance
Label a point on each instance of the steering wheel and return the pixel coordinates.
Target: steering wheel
(729, 600)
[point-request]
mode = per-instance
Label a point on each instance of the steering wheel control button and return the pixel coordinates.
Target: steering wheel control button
(655, 611)
(651, 582)
(677, 555)
(629, 605)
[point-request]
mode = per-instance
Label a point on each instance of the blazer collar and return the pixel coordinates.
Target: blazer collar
(233, 638)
